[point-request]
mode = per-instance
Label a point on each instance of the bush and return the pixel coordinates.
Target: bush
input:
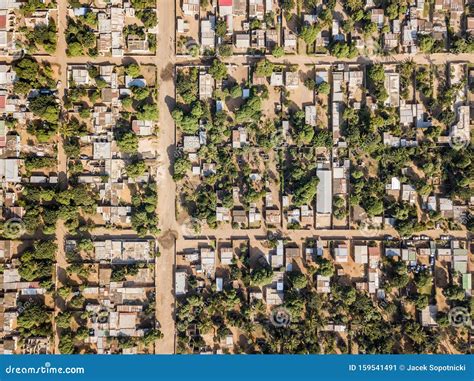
(323, 88)
(264, 68)
(218, 70)
(132, 70)
(278, 52)
(181, 166)
(45, 106)
(35, 162)
(128, 142)
(136, 169)
(225, 50)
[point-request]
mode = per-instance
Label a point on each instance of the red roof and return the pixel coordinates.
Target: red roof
(225, 3)
(3, 99)
(3, 22)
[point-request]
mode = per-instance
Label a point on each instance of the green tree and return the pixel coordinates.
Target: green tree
(221, 28)
(148, 112)
(74, 49)
(426, 43)
(264, 68)
(309, 33)
(298, 280)
(181, 166)
(45, 106)
(132, 70)
(63, 320)
(136, 169)
(323, 88)
(225, 50)
(278, 52)
(218, 70)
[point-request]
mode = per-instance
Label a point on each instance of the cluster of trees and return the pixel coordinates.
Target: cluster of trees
(442, 106)
(145, 11)
(142, 99)
(37, 162)
(300, 176)
(339, 208)
(180, 167)
(428, 44)
(376, 77)
(42, 35)
(73, 128)
(188, 122)
(187, 114)
(309, 32)
(127, 142)
(395, 9)
(46, 107)
(304, 134)
(361, 131)
(462, 45)
(65, 205)
(367, 192)
(30, 75)
(187, 84)
(406, 219)
(30, 6)
(225, 50)
(147, 111)
(457, 174)
(251, 110)
(135, 169)
(36, 264)
(119, 273)
(35, 321)
(342, 49)
(80, 37)
(264, 68)
(424, 81)
(144, 218)
(406, 70)
(218, 70)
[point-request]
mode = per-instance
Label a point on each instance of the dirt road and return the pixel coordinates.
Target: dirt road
(166, 187)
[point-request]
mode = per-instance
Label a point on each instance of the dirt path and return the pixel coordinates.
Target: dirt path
(166, 188)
